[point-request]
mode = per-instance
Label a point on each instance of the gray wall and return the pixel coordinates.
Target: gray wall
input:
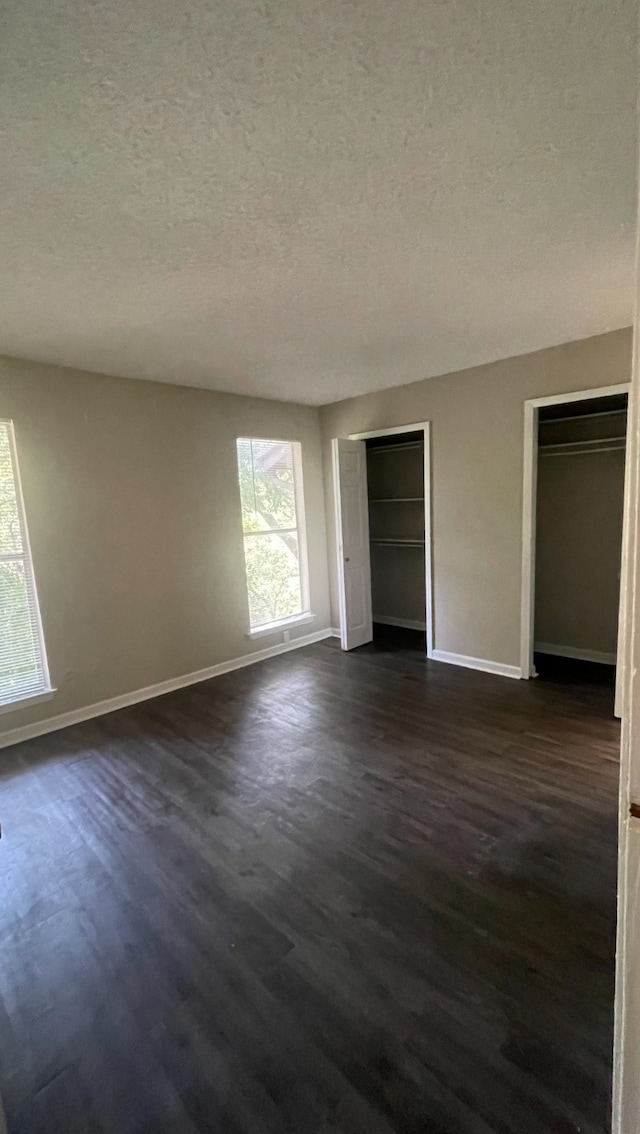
(134, 517)
(477, 457)
(578, 551)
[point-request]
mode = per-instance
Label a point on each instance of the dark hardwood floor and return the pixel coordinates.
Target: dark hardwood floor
(360, 893)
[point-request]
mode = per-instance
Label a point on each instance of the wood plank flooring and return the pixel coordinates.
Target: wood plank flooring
(361, 893)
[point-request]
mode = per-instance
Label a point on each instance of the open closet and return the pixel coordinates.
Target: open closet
(382, 496)
(396, 501)
(579, 510)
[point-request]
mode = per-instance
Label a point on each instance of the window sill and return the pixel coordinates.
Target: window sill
(283, 624)
(27, 702)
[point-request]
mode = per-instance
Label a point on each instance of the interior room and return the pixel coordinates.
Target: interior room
(319, 480)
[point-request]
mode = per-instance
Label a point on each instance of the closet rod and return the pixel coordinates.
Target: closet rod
(583, 452)
(588, 443)
(400, 542)
(395, 499)
(392, 448)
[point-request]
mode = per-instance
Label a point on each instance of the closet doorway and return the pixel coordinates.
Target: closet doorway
(574, 493)
(382, 484)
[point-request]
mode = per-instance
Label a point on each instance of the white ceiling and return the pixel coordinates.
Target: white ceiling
(310, 199)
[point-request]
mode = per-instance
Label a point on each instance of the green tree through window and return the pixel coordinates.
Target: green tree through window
(271, 495)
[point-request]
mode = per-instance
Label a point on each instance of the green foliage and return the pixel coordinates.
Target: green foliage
(273, 578)
(10, 535)
(267, 489)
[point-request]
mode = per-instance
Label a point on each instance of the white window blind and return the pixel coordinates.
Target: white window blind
(23, 663)
(275, 548)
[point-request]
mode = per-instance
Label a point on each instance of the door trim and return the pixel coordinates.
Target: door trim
(425, 428)
(337, 512)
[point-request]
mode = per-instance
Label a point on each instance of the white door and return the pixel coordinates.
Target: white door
(352, 523)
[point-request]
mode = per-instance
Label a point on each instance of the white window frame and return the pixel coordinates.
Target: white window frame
(305, 616)
(26, 558)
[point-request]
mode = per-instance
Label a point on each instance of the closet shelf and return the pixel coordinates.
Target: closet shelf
(395, 499)
(584, 416)
(400, 542)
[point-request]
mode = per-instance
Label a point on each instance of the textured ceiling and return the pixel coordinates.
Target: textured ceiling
(309, 200)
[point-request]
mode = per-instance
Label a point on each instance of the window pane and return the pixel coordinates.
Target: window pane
(10, 534)
(23, 666)
(20, 663)
(273, 577)
(247, 492)
(267, 485)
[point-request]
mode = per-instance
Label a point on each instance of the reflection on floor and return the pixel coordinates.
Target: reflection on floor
(360, 893)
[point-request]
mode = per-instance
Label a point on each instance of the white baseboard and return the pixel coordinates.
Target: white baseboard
(335, 631)
(482, 664)
(76, 716)
(575, 652)
(403, 623)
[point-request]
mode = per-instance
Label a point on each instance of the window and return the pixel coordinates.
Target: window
(275, 551)
(23, 663)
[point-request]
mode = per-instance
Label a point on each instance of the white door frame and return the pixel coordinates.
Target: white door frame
(529, 489)
(425, 428)
(626, 1044)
